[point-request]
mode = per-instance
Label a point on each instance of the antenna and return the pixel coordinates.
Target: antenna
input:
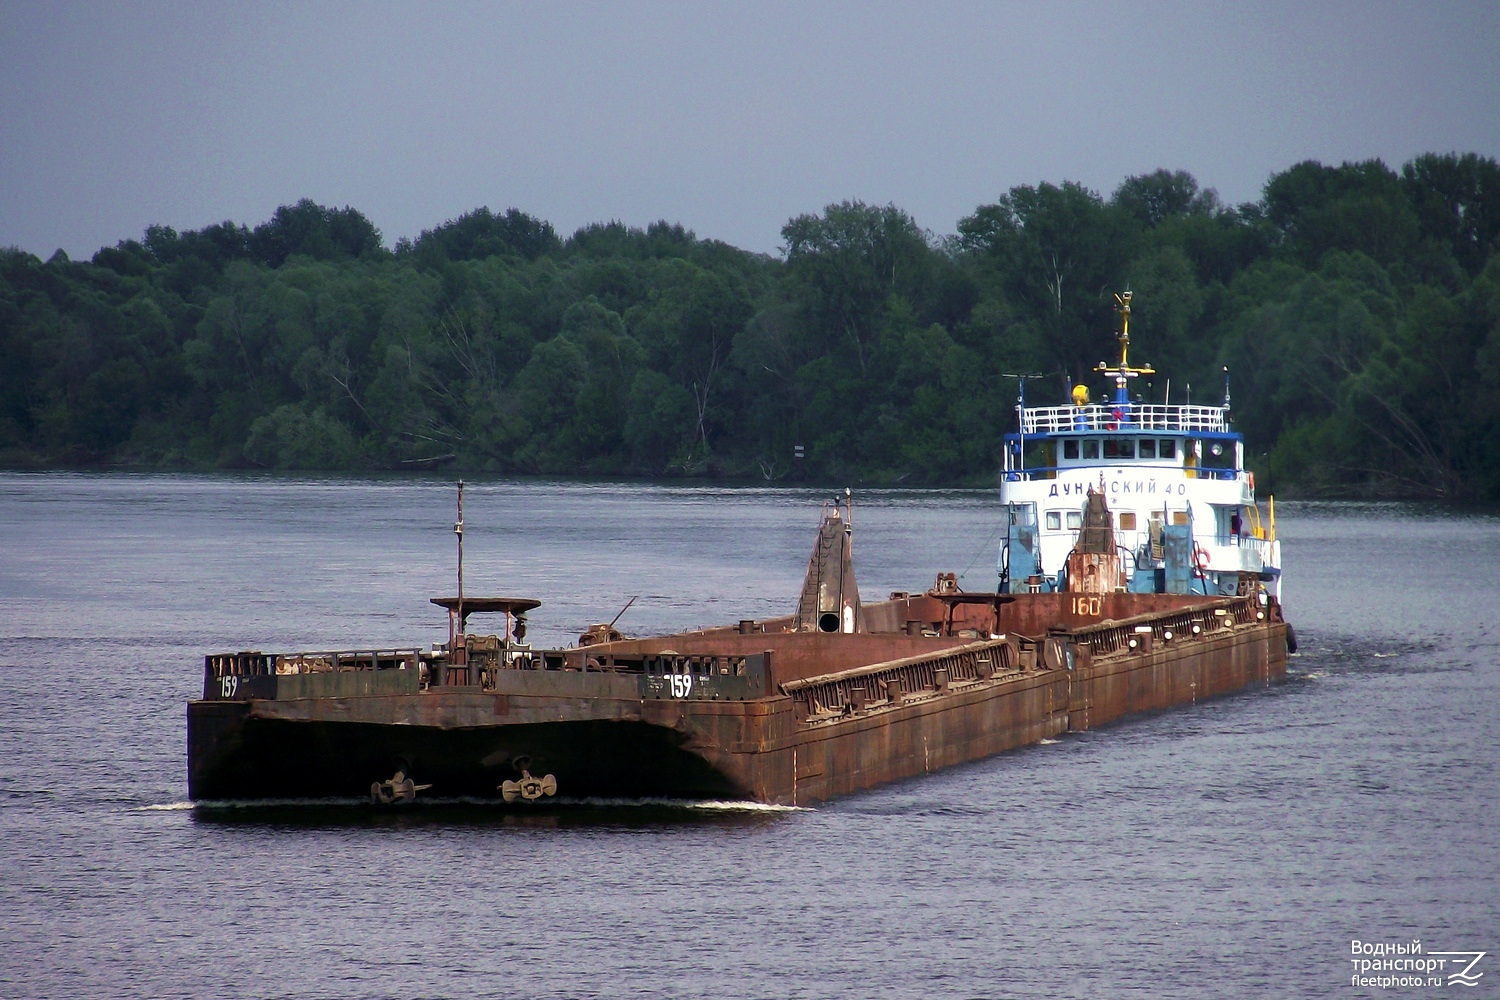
(458, 529)
(623, 610)
(1021, 378)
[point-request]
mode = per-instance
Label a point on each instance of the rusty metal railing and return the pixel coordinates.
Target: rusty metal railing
(258, 664)
(252, 674)
(852, 691)
(1126, 636)
(709, 665)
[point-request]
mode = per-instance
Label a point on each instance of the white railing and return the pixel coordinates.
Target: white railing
(1126, 417)
(1242, 554)
(1225, 554)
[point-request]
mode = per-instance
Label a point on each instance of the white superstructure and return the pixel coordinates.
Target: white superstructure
(1183, 507)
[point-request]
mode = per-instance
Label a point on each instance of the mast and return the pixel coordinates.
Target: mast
(1021, 420)
(1122, 372)
(458, 529)
(1020, 378)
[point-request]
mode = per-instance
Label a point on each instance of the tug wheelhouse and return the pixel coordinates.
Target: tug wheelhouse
(1181, 505)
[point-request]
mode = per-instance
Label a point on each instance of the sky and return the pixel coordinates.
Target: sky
(729, 118)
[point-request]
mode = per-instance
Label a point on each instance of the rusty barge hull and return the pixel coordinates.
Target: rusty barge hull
(820, 762)
(753, 712)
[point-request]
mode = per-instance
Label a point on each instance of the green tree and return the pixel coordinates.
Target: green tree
(687, 327)
(1059, 253)
(481, 233)
(1152, 199)
(1457, 201)
(291, 437)
(309, 229)
(1355, 207)
(844, 266)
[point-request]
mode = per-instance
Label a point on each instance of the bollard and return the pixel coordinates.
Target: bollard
(857, 699)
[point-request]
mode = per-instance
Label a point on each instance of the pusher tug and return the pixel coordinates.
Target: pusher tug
(1185, 518)
(1136, 576)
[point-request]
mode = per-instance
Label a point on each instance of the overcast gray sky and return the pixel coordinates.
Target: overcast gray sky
(728, 118)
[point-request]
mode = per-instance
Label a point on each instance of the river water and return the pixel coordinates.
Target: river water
(1231, 849)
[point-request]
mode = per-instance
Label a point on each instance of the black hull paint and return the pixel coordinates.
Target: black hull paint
(238, 756)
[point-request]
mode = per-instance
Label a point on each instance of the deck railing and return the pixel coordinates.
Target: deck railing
(1126, 417)
(883, 684)
(1109, 638)
(1131, 465)
(253, 674)
(258, 664)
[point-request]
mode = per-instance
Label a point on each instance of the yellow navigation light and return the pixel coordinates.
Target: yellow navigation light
(1080, 395)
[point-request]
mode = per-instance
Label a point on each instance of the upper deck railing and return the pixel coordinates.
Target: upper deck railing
(1044, 472)
(1128, 417)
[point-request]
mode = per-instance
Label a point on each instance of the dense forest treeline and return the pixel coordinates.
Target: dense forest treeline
(1356, 307)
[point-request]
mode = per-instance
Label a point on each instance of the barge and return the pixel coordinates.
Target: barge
(1096, 615)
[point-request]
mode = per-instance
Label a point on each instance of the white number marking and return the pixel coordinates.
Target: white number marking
(682, 685)
(229, 686)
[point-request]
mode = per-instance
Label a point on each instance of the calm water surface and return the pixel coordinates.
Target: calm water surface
(1232, 849)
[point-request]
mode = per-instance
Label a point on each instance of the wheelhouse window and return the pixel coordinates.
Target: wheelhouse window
(1091, 448)
(1070, 449)
(1218, 454)
(1166, 448)
(1148, 447)
(1119, 448)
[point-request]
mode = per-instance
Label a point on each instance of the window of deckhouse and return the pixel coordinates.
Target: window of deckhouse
(1168, 449)
(1218, 455)
(1070, 448)
(1147, 447)
(1119, 448)
(1091, 448)
(1054, 520)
